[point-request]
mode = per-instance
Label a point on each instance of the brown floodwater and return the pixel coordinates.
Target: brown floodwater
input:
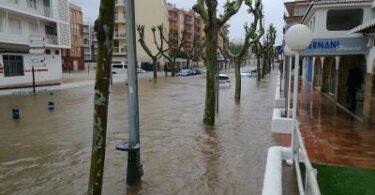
(49, 152)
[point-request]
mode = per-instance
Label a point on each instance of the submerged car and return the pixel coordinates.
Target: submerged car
(224, 79)
(139, 70)
(185, 72)
(249, 74)
(196, 71)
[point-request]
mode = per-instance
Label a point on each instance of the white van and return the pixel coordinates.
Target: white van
(119, 68)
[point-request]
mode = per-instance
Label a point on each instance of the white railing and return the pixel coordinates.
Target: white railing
(39, 8)
(310, 187)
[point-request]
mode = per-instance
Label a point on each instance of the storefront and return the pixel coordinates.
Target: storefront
(337, 67)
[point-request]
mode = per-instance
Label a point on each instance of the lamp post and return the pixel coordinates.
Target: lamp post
(135, 168)
(289, 53)
(297, 38)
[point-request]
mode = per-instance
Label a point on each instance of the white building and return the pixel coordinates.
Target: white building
(337, 59)
(24, 21)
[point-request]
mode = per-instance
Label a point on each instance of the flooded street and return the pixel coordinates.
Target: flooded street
(49, 152)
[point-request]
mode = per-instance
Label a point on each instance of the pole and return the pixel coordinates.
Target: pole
(289, 85)
(33, 74)
(295, 104)
(134, 169)
(217, 87)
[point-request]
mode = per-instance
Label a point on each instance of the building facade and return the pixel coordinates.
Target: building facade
(184, 21)
(32, 34)
(73, 58)
(149, 14)
(337, 62)
(88, 43)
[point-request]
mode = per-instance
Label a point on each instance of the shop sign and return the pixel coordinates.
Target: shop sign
(338, 46)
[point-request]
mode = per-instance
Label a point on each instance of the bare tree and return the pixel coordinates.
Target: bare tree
(155, 57)
(174, 50)
(251, 38)
(207, 9)
(104, 28)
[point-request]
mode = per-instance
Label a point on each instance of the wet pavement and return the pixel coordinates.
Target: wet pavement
(332, 136)
(49, 152)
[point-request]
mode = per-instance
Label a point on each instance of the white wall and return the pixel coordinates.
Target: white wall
(320, 23)
(52, 76)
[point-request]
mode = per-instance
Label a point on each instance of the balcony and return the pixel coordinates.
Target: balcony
(39, 8)
(51, 39)
(119, 50)
(120, 18)
(119, 35)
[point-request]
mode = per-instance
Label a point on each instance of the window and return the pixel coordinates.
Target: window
(48, 51)
(344, 19)
(1, 22)
(15, 26)
(13, 65)
(57, 52)
(117, 66)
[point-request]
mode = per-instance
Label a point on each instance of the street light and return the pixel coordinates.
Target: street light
(297, 38)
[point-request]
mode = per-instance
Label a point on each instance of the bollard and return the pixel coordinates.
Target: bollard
(51, 105)
(15, 113)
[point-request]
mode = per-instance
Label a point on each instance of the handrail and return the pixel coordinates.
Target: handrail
(311, 183)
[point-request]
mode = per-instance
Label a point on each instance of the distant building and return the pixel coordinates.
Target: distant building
(88, 44)
(187, 21)
(295, 10)
(148, 13)
(24, 25)
(73, 58)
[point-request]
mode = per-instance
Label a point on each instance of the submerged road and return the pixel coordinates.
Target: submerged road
(49, 152)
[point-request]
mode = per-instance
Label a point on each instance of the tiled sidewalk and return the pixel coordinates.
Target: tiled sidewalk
(331, 135)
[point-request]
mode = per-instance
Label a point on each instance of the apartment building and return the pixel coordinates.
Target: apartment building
(73, 58)
(187, 21)
(32, 34)
(295, 10)
(87, 42)
(148, 13)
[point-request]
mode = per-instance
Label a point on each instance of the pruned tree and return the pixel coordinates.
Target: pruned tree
(207, 9)
(155, 57)
(196, 51)
(174, 51)
(104, 32)
(251, 38)
(265, 48)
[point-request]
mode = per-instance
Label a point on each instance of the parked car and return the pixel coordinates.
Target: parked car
(249, 74)
(185, 72)
(224, 79)
(119, 69)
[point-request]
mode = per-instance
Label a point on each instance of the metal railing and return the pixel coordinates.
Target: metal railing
(51, 39)
(310, 186)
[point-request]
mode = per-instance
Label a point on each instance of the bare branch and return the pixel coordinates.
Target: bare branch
(231, 8)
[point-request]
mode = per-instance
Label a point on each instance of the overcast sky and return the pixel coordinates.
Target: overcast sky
(273, 9)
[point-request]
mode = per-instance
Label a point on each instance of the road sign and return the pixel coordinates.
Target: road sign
(37, 60)
(219, 55)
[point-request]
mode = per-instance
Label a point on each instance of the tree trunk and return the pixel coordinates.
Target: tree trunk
(155, 61)
(237, 94)
(104, 28)
(209, 110)
(258, 68)
(173, 67)
(188, 62)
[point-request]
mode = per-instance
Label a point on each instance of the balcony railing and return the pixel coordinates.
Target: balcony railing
(119, 50)
(51, 39)
(38, 8)
(120, 17)
(119, 34)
